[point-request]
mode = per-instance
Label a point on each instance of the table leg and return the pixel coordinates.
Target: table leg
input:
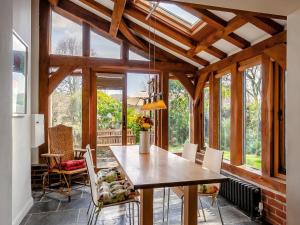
(146, 206)
(190, 205)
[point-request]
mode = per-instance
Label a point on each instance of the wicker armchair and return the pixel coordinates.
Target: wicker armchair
(61, 153)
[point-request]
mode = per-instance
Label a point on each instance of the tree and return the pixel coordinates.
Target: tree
(179, 114)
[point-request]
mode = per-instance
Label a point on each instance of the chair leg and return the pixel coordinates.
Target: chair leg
(164, 196)
(138, 211)
(89, 208)
(97, 217)
(181, 219)
(133, 213)
(217, 202)
(129, 214)
(168, 209)
(202, 209)
(91, 217)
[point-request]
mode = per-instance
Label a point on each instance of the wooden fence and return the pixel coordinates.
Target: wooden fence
(108, 137)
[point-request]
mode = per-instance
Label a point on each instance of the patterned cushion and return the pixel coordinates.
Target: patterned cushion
(207, 189)
(109, 175)
(114, 192)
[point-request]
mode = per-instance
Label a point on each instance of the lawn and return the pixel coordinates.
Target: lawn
(253, 161)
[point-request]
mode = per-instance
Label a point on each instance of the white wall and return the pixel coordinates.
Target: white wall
(21, 189)
(293, 119)
(5, 112)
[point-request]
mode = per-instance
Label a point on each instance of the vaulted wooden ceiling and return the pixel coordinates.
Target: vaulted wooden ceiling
(216, 35)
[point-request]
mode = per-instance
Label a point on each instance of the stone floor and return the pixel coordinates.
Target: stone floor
(53, 209)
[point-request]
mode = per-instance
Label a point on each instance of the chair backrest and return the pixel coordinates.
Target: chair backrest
(189, 151)
(92, 176)
(213, 160)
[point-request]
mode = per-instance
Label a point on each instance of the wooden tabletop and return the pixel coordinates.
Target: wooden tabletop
(161, 168)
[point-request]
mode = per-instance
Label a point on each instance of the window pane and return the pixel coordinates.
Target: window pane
(104, 48)
(135, 56)
(225, 115)
(66, 106)
(66, 36)
(137, 88)
(252, 116)
(178, 12)
(179, 116)
(206, 116)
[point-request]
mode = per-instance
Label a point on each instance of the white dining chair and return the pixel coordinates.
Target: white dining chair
(98, 205)
(213, 161)
(189, 153)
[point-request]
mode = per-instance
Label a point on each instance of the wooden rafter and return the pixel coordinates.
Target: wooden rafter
(116, 17)
(59, 75)
(53, 2)
(278, 53)
(234, 24)
(166, 44)
(268, 25)
(186, 82)
(220, 24)
(247, 53)
(199, 87)
(98, 64)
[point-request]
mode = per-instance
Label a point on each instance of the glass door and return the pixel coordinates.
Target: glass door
(110, 115)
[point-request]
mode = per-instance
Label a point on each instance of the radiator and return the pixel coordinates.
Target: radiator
(244, 195)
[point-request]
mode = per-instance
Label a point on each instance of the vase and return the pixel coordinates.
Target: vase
(144, 147)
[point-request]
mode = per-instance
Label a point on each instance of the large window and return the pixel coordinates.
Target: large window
(179, 116)
(206, 116)
(252, 116)
(103, 48)
(225, 96)
(66, 101)
(66, 36)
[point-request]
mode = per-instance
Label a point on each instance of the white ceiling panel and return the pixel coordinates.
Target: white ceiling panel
(251, 33)
(226, 47)
(96, 12)
(172, 52)
(107, 3)
(207, 57)
(158, 33)
(224, 15)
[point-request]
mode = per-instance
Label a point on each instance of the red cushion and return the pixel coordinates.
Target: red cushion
(73, 164)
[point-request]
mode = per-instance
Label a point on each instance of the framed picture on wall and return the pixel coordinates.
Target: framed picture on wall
(20, 64)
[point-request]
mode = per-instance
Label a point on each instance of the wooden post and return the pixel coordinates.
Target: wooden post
(214, 111)
(93, 114)
(164, 77)
(195, 124)
(236, 117)
(124, 111)
(44, 50)
(267, 108)
(146, 206)
(86, 86)
(190, 208)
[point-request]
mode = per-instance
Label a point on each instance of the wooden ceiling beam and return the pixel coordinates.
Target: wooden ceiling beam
(163, 28)
(59, 75)
(116, 17)
(247, 53)
(268, 25)
(99, 64)
(203, 77)
(142, 31)
(233, 24)
(53, 2)
(224, 9)
(219, 24)
(186, 82)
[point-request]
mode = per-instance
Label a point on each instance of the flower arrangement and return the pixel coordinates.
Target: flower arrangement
(144, 123)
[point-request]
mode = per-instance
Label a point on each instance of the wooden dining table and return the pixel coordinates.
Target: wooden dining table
(161, 168)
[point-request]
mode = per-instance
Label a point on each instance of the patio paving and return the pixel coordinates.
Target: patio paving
(54, 209)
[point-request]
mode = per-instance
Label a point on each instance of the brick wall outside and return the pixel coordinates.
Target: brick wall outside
(274, 207)
(37, 172)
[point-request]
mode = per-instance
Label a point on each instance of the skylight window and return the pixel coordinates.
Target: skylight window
(179, 13)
